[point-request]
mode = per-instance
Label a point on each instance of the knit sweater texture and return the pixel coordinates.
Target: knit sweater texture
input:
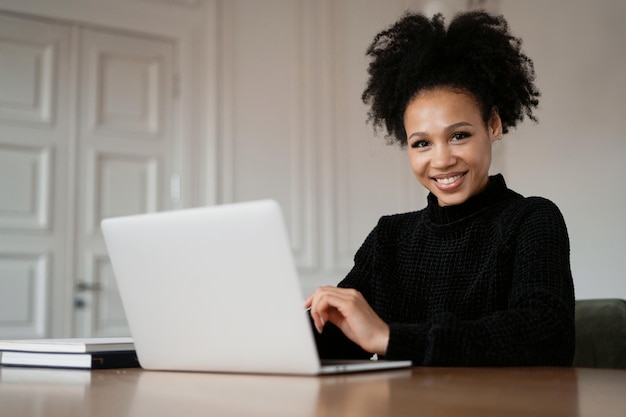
(483, 283)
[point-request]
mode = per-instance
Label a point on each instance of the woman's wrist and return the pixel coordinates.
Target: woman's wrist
(383, 341)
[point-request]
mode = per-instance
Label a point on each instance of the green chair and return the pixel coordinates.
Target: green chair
(600, 333)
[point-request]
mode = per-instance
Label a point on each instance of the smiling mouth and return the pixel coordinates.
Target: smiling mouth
(449, 180)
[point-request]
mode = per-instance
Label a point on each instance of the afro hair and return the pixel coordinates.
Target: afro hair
(475, 54)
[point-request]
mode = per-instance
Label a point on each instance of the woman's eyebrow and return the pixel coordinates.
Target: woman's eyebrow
(451, 127)
(458, 125)
(416, 134)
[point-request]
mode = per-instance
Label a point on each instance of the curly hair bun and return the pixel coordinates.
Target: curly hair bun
(476, 54)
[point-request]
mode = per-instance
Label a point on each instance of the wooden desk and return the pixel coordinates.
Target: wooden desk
(455, 392)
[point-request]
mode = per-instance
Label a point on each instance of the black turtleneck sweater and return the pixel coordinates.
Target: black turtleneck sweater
(486, 282)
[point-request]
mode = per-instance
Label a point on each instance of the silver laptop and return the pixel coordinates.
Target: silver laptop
(216, 289)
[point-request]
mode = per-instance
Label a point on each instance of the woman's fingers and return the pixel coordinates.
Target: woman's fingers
(348, 310)
(320, 307)
(318, 321)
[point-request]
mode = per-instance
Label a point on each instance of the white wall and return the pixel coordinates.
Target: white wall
(576, 154)
(292, 125)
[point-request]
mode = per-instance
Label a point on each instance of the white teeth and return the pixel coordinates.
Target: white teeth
(448, 180)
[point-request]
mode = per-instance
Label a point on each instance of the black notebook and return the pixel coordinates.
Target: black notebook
(92, 360)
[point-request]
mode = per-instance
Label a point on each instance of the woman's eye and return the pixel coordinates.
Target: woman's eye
(419, 144)
(460, 135)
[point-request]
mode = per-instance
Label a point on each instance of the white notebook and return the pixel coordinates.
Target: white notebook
(69, 345)
(216, 289)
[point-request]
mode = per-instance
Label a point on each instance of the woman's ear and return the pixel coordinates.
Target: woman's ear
(495, 125)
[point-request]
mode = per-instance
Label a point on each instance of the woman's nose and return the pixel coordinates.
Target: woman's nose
(442, 157)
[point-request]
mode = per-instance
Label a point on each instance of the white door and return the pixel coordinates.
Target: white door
(34, 131)
(85, 133)
(125, 153)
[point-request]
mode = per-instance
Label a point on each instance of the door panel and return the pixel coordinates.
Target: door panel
(121, 184)
(34, 103)
(126, 152)
(25, 178)
(23, 293)
(85, 134)
(27, 81)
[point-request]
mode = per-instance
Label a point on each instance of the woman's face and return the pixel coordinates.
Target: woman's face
(449, 144)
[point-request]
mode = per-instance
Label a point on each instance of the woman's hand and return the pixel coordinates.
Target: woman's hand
(347, 309)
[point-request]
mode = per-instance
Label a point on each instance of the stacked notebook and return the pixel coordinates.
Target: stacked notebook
(87, 353)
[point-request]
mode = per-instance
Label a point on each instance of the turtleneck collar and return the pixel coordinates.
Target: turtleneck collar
(496, 191)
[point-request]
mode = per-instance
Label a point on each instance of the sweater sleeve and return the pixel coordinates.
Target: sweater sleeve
(332, 343)
(535, 328)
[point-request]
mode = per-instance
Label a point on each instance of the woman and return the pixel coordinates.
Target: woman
(481, 276)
